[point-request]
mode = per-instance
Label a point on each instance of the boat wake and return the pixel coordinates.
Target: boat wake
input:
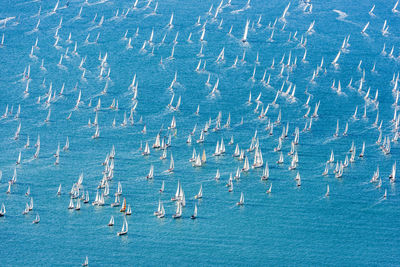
(377, 203)
(342, 15)
(96, 3)
(3, 21)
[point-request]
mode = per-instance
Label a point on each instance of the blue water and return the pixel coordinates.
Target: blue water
(291, 226)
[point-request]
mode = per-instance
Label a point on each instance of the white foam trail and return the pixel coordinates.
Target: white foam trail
(342, 15)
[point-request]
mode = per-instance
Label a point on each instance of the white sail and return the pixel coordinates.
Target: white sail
(171, 165)
(265, 175)
(2, 210)
(124, 229)
(334, 62)
(111, 222)
(246, 30)
(194, 212)
(200, 194)
(178, 212)
(71, 204)
(66, 147)
(171, 20)
(365, 28)
(146, 150)
(203, 32)
(19, 158)
(151, 173)
(178, 190)
(241, 201)
(246, 165)
(37, 219)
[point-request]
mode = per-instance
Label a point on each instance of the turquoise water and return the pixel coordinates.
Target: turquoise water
(291, 226)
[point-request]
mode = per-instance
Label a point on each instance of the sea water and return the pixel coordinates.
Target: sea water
(291, 226)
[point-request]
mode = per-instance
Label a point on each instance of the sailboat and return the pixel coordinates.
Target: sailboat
(326, 169)
(246, 166)
(157, 142)
(203, 157)
(375, 176)
(119, 189)
(106, 189)
(293, 164)
(178, 192)
(200, 194)
(156, 213)
(71, 204)
(231, 141)
(26, 210)
(197, 162)
(128, 210)
(334, 62)
(241, 201)
(97, 133)
(336, 134)
(14, 178)
(161, 214)
(298, 180)
(258, 159)
(96, 200)
(331, 158)
(27, 143)
(116, 201)
(269, 190)
(201, 139)
(246, 30)
(217, 175)
(171, 165)
(151, 173)
(78, 204)
(230, 189)
(123, 208)
(37, 219)
(339, 172)
(362, 150)
(194, 216)
(170, 25)
(86, 200)
(31, 204)
(36, 155)
(19, 159)
(327, 191)
(237, 151)
(173, 123)
(265, 175)
(346, 129)
(363, 31)
(164, 154)
(146, 150)
(237, 175)
(124, 229)
(392, 175)
(217, 152)
(162, 187)
(86, 263)
(178, 213)
(2, 210)
(194, 156)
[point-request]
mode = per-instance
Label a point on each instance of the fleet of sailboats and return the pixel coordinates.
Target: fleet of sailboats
(270, 114)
